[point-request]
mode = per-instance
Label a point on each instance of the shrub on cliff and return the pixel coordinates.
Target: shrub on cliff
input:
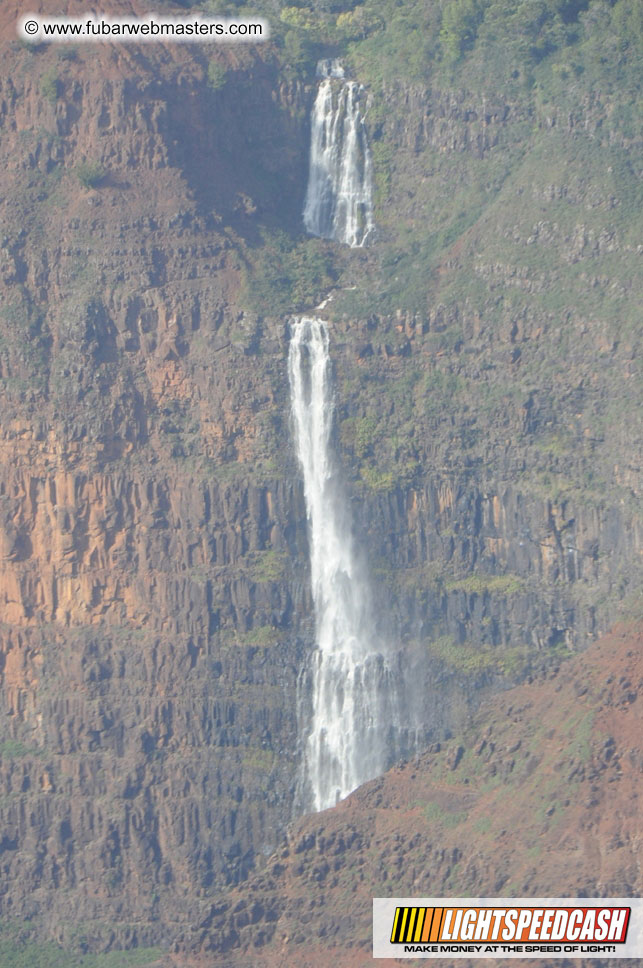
(460, 21)
(50, 85)
(285, 277)
(216, 75)
(90, 174)
(298, 49)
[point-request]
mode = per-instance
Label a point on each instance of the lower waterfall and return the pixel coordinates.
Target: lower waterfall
(354, 718)
(338, 202)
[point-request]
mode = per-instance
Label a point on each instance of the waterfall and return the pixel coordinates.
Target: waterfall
(339, 195)
(352, 690)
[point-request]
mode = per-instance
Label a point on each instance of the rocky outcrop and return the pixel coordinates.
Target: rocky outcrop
(538, 798)
(115, 683)
(153, 602)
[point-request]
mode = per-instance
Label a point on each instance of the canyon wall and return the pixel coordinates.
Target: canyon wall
(154, 591)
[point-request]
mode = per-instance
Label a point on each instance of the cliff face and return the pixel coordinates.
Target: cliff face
(150, 595)
(522, 804)
(153, 552)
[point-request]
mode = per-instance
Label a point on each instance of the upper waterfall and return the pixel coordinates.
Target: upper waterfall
(339, 197)
(352, 730)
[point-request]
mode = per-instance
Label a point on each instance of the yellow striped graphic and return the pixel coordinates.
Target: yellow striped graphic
(395, 921)
(412, 924)
(417, 925)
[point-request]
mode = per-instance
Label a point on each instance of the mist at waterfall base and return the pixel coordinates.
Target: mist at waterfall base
(339, 195)
(351, 695)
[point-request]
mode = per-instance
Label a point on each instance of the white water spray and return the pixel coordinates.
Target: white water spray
(339, 197)
(355, 706)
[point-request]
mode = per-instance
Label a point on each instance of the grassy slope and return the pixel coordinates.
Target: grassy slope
(513, 208)
(17, 950)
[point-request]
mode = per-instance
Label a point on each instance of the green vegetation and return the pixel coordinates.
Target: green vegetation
(217, 74)
(491, 208)
(580, 731)
(460, 22)
(362, 433)
(500, 42)
(267, 565)
(263, 636)
(463, 658)
(434, 813)
(297, 49)
(90, 174)
(479, 584)
(257, 759)
(377, 480)
(521, 33)
(14, 749)
(383, 156)
(381, 450)
(632, 606)
(473, 661)
(284, 276)
(50, 85)
(482, 824)
(19, 950)
(545, 58)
